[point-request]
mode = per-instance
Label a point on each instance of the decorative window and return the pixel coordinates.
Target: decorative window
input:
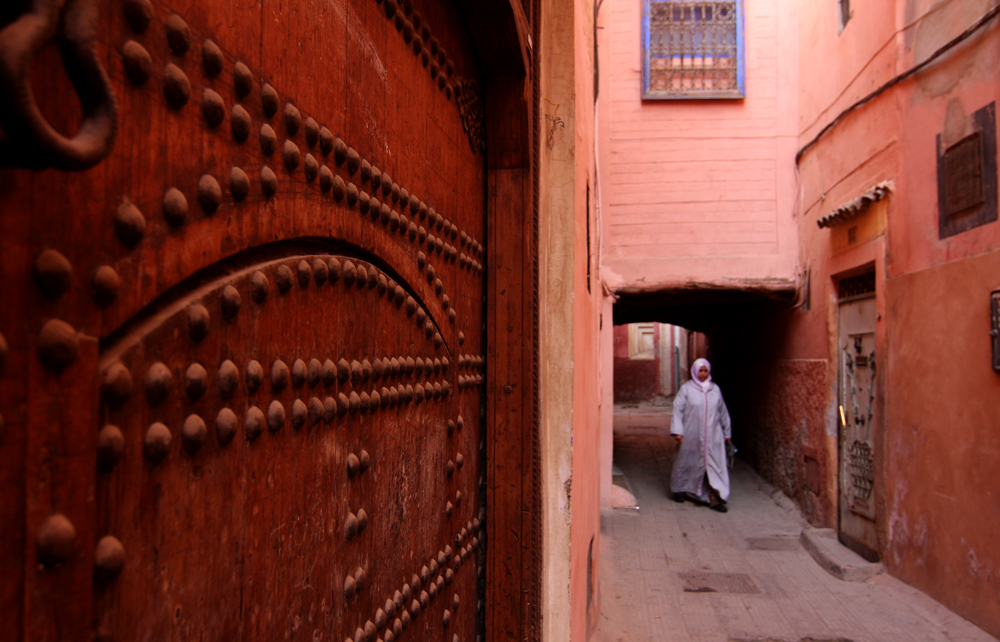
(963, 175)
(856, 287)
(967, 177)
(692, 49)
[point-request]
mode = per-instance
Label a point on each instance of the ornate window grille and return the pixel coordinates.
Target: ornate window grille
(856, 287)
(967, 176)
(692, 49)
(963, 175)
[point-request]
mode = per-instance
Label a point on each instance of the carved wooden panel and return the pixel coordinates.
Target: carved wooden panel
(242, 356)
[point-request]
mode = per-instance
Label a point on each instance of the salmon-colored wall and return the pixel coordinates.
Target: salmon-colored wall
(585, 502)
(699, 189)
(944, 438)
(568, 319)
(943, 511)
(938, 510)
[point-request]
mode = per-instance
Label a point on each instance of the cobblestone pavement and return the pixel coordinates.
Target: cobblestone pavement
(681, 572)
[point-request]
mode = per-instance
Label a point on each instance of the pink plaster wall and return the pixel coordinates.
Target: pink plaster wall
(943, 505)
(585, 500)
(938, 510)
(699, 190)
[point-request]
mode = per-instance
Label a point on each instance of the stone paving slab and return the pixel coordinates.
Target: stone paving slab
(649, 557)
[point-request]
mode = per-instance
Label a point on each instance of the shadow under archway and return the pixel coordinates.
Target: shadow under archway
(778, 403)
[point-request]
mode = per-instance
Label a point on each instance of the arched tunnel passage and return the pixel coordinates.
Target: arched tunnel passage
(780, 405)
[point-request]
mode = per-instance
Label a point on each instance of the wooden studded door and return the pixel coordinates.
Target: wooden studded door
(244, 321)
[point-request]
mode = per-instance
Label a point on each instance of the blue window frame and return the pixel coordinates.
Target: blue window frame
(692, 49)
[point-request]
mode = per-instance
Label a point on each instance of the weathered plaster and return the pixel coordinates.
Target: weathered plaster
(585, 541)
(944, 504)
(556, 202)
(569, 319)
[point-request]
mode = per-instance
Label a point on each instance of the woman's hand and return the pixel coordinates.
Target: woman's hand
(679, 438)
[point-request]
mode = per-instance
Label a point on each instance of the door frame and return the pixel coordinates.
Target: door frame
(502, 33)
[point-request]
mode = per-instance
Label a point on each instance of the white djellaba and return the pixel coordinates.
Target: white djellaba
(701, 417)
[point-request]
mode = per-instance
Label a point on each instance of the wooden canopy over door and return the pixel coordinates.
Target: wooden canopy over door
(266, 341)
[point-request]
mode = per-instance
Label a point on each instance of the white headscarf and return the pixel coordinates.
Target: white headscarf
(698, 363)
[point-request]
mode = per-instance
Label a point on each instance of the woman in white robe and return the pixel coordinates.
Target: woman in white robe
(701, 426)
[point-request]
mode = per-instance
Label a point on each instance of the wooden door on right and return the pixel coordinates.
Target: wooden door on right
(858, 426)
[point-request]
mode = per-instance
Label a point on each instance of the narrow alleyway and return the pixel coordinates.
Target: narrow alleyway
(681, 572)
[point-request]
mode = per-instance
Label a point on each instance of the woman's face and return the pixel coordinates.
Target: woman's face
(703, 374)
